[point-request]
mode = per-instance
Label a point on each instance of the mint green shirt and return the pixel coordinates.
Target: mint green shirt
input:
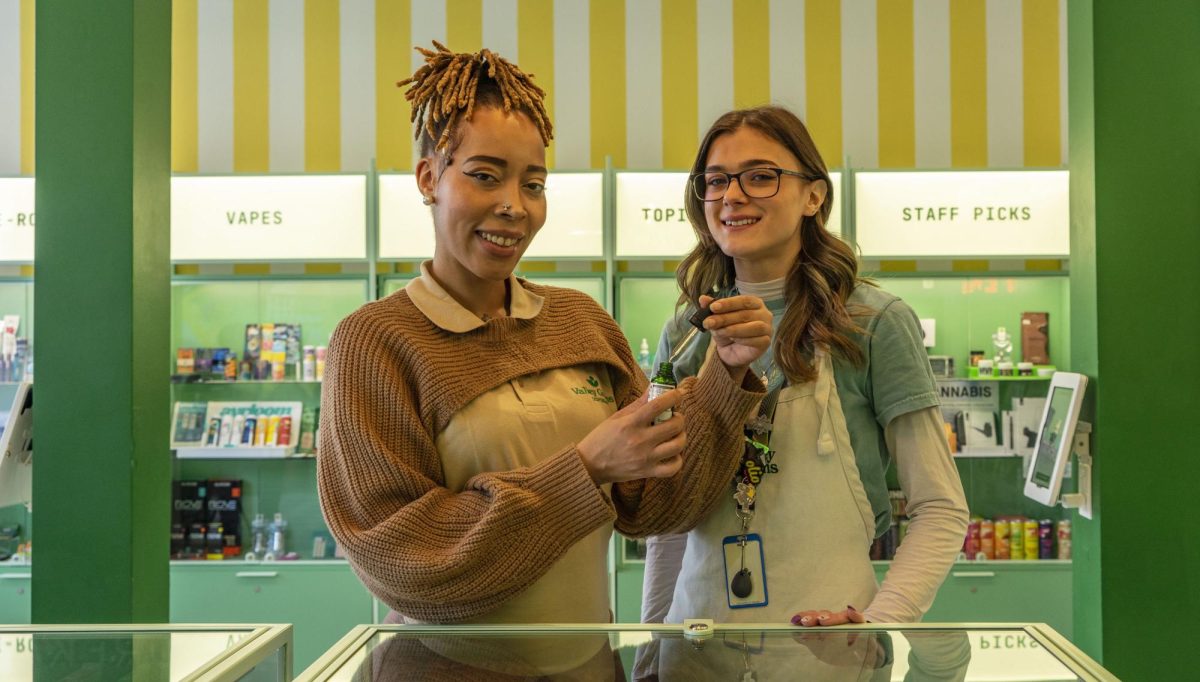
(895, 379)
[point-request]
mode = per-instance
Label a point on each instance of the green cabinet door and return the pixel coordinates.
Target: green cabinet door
(321, 600)
(1003, 592)
(15, 594)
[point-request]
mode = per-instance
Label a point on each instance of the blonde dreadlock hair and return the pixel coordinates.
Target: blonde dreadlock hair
(447, 88)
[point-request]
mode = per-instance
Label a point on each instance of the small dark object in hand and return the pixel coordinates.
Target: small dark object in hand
(697, 319)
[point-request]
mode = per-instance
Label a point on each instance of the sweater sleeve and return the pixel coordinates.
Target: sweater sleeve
(715, 409)
(939, 518)
(429, 553)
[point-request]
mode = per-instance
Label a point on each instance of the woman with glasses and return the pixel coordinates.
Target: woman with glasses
(849, 391)
(481, 434)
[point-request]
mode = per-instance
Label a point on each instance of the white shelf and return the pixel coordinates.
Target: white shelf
(984, 453)
(240, 452)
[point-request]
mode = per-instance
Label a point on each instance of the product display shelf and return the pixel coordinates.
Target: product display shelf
(974, 591)
(321, 599)
(702, 649)
(179, 653)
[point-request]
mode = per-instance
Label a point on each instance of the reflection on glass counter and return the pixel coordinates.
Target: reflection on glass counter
(706, 652)
(212, 653)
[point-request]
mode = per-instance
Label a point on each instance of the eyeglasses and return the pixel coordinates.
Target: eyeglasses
(757, 183)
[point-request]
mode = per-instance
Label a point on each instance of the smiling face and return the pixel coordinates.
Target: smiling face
(499, 160)
(762, 236)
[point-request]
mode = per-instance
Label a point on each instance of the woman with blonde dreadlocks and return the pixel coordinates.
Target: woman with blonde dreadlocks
(481, 434)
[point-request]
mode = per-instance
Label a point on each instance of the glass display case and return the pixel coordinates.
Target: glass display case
(700, 650)
(178, 653)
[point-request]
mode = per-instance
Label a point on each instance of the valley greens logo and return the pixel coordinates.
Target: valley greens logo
(594, 391)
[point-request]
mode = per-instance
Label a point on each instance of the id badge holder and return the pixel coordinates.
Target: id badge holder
(755, 562)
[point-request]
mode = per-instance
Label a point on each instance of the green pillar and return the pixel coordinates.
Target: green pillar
(101, 489)
(1135, 178)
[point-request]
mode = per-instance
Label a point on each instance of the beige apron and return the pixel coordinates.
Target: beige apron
(815, 521)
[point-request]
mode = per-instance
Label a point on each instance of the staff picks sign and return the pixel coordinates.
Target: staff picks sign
(651, 220)
(969, 213)
(258, 218)
(17, 220)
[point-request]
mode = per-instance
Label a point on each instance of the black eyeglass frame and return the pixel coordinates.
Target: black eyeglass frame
(779, 173)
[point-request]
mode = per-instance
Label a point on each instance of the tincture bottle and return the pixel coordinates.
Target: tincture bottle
(663, 381)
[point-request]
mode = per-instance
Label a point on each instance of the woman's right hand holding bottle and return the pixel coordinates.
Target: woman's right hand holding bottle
(629, 445)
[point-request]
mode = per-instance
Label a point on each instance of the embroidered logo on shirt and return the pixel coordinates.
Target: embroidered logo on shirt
(594, 390)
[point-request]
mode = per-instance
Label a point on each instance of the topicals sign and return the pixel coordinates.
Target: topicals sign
(267, 218)
(955, 214)
(16, 220)
(574, 226)
(651, 220)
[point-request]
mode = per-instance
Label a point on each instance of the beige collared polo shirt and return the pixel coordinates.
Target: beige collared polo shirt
(515, 425)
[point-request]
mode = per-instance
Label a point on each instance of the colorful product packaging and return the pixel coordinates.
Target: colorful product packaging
(1064, 539)
(1045, 539)
(1031, 540)
(1016, 539)
(987, 539)
(185, 360)
(188, 510)
(224, 512)
(1002, 542)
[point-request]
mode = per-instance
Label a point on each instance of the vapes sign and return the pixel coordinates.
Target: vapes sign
(261, 218)
(16, 220)
(972, 213)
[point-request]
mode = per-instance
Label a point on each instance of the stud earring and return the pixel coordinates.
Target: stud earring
(427, 199)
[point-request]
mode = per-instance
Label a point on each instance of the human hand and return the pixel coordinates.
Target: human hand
(818, 618)
(850, 648)
(629, 445)
(741, 328)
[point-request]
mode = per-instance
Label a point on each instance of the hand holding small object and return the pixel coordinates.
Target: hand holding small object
(629, 445)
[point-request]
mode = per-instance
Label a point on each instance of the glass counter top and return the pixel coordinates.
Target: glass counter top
(174, 653)
(919, 652)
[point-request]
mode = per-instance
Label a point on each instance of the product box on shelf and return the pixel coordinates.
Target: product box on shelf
(188, 516)
(1035, 338)
(236, 429)
(224, 519)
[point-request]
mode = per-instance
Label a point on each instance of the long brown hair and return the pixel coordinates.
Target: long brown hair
(819, 282)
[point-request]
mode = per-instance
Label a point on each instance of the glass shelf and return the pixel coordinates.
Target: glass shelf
(702, 650)
(219, 653)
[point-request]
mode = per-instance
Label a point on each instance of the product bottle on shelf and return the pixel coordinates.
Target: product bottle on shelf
(258, 531)
(643, 359)
(278, 544)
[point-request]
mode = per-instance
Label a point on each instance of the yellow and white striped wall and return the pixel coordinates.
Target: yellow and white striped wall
(309, 85)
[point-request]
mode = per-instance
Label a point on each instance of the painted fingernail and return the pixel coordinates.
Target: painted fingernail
(796, 619)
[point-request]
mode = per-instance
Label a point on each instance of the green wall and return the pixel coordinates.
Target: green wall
(1136, 233)
(103, 171)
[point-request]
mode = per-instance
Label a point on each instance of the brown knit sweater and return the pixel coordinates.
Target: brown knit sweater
(393, 381)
